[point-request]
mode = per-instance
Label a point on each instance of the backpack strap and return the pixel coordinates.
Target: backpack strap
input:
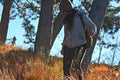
(81, 18)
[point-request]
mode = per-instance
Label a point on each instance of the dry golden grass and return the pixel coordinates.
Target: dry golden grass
(19, 64)
(103, 72)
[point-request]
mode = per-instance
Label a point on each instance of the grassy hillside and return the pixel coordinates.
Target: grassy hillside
(19, 64)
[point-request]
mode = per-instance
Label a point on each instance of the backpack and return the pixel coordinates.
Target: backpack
(88, 37)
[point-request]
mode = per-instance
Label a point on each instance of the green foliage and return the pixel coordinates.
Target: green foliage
(108, 21)
(28, 11)
(30, 33)
(112, 20)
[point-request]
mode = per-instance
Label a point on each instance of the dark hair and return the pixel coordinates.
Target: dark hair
(65, 5)
(68, 20)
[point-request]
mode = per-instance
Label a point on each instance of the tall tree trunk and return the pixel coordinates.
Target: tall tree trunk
(43, 37)
(97, 14)
(5, 20)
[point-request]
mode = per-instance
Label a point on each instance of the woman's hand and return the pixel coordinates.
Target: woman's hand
(91, 33)
(62, 51)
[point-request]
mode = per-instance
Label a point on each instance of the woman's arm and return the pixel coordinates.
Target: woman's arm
(90, 26)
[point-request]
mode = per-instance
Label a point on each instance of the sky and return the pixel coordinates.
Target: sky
(15, 29)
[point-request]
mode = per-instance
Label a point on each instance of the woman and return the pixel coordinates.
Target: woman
(75, 38)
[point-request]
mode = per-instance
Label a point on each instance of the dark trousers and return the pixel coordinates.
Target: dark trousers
(71, 55)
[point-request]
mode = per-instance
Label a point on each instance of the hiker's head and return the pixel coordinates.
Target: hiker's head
(65, 7)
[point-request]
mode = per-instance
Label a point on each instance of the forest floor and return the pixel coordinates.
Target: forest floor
(19, 64)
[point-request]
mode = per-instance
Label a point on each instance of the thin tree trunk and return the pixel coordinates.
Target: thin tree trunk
(57, 25)
(100, 54)
(113, 57)
(5, 20)
(97, 14)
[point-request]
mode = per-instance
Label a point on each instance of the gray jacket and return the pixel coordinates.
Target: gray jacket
(76, 37)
